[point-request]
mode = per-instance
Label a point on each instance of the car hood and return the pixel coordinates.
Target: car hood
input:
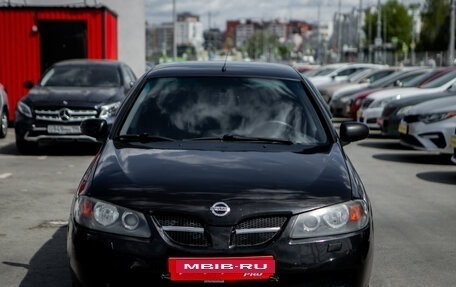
(73, 95)
(249, 181)
(443, 105)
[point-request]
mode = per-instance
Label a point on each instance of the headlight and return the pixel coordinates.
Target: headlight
(337, 219)
(24, 109)
(110, 110)
(432, 118)
(103, 216)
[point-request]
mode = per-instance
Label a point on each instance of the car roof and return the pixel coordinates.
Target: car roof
(219, 68)
(79, 62)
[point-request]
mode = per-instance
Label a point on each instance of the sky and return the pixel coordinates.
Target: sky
(215, 13)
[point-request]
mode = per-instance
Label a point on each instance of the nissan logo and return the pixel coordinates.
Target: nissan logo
(220, 209)
(64, 114)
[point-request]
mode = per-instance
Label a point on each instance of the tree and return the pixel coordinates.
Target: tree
(396, 20)
(435, 25)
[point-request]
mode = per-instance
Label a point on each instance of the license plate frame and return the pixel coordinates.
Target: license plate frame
(221, 269)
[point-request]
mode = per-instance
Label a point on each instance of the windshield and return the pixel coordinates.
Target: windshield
(440, 81)
(189, 108)
(82, 76)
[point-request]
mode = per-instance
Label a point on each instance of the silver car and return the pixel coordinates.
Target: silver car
(4, 112)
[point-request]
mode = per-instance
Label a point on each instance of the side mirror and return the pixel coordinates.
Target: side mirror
(28, 85)
(352, 131)
(96, 128)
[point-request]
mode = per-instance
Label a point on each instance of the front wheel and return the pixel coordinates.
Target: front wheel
(3, 124)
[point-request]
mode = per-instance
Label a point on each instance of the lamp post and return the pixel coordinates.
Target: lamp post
(451, 44)
(174, 32)
(378, 38)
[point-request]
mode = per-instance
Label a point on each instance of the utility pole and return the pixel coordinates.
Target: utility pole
(174, 32)
(378, 38)
(360, 29)
(451, 44)
(339, 36)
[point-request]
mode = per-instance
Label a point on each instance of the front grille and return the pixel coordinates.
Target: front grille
(183, 230)
(410, 140)
(257, 231)
(64, 115)
(189, 231)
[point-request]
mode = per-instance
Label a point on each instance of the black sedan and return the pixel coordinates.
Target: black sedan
(69, 92)
(221, 173)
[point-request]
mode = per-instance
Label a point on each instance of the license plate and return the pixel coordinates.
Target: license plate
(402, 128)
(348, 109)
(359, 114)
(63, 130)
(453, 141)
(221, 269)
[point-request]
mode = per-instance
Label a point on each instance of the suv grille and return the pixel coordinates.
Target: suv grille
(185, 230)
(64, 115)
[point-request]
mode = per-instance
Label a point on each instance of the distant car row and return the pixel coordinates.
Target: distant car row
(415, 104)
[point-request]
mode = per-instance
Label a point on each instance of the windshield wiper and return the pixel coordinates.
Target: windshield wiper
(239, 138)
(143, 138)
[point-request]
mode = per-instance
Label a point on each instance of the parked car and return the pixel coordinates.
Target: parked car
(4, 112)
(340, 72)
(370, 113)
(355, 83)
(429, 126)
(219, 172)
(453, 144)
(69, 92)
(395, 110)
(346, 104)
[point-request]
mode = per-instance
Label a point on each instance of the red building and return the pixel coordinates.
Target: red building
(33, 38)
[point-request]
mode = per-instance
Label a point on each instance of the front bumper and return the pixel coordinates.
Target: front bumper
(101, 259)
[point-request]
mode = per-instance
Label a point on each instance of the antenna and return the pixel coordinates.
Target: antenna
(226, 58)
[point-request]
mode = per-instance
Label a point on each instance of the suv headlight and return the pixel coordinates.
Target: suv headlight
(109, 110)
(103, 216)
(336, 219)
(24, 109)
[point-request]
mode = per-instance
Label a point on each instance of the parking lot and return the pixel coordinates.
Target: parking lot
(413, 195)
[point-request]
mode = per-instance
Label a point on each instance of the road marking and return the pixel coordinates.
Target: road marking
(5, 175)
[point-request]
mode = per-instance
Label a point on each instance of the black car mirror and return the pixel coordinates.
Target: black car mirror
(28, 85)
(96, 128)
(353, 131)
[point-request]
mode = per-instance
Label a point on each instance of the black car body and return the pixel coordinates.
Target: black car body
(69, 92)
(221, 173)
(395, 110)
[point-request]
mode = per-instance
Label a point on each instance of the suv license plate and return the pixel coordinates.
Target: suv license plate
(63, 130)
(221, 269)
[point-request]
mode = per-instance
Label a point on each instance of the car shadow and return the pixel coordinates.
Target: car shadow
(49, 266)
(418, 158)
(445, 177)
(385, 144)
(55, 149)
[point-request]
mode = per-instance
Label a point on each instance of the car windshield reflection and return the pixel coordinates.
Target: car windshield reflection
(211, 107)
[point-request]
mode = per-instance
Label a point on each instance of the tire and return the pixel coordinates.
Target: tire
(25, 147)
(3, 124)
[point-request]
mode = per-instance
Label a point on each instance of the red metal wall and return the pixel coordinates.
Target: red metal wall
(20, 42)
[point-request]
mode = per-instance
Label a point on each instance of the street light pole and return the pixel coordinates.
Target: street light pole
(451, 44)
(174, 32)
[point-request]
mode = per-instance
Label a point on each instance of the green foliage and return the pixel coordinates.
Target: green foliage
(435, 17)
(396, 20)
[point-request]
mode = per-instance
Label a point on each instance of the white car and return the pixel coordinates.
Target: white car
(430, 125)
(374, 104)
(338, 73)
(453, 145)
